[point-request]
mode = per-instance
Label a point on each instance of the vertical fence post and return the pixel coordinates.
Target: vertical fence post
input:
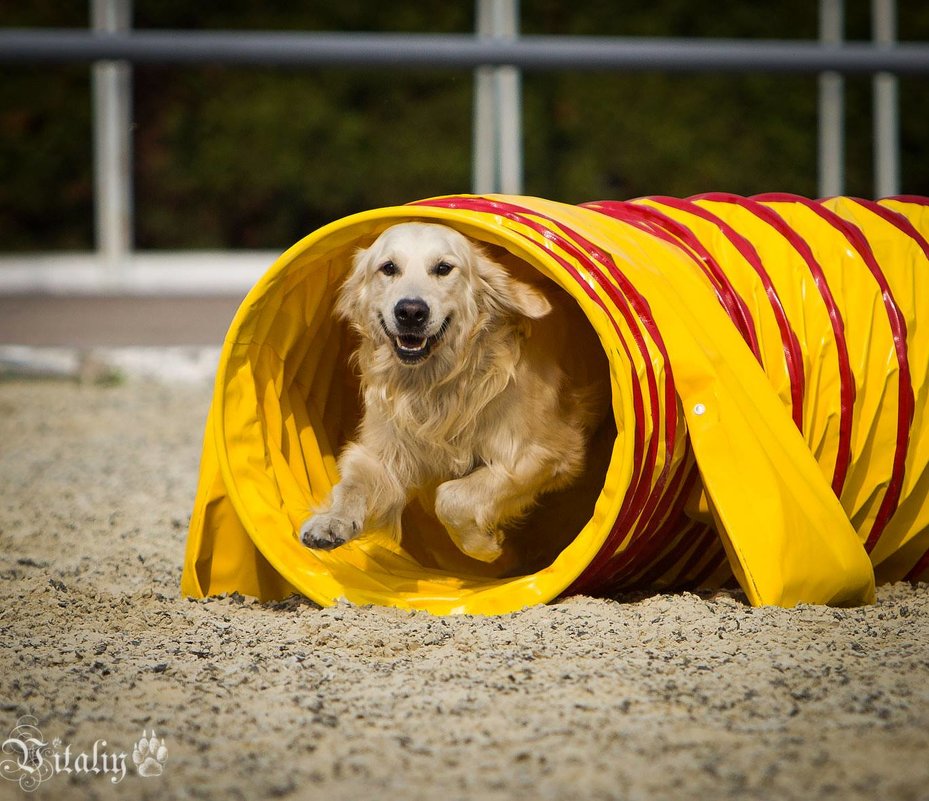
(112, 81)
(497, 155)
(483, 140)
(886, 111)
(509, 104)
(831, 157)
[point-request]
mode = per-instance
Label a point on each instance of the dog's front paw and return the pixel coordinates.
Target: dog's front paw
(455, 510)
(485, 546)
(327, 531)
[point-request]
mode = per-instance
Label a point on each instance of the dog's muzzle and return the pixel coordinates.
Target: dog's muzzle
(410, 342)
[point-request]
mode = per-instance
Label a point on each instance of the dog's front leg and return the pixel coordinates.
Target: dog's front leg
(475, 508)
(367, 496)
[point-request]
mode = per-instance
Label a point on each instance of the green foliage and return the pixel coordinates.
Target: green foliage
(242, 157)
(257, 158)
(704, 132)
(46, 190)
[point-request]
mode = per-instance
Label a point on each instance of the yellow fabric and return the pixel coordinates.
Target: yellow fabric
(286, 401)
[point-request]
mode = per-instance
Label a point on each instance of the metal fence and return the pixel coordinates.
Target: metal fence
(497, 53)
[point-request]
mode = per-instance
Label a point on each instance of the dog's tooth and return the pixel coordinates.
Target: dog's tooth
(419, 345)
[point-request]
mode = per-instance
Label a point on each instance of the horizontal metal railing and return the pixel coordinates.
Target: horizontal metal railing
(462, 51)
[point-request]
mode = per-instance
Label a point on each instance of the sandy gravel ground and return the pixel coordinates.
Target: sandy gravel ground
(655, 697)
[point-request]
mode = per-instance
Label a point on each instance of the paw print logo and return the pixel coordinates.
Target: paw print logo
(150, 755)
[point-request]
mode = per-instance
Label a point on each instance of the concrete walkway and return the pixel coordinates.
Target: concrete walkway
(87, 321)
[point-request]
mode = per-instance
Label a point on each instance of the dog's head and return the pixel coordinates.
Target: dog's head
(420, 284)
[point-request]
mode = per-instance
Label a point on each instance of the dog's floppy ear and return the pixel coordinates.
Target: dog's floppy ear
(507, 295)
(346, 304)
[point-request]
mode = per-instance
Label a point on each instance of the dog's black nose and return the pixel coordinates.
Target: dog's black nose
(411, 313)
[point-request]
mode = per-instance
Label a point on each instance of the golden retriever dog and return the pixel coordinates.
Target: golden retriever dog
(471, 404)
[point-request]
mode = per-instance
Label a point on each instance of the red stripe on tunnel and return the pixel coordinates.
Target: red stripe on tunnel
(916, 200)
(793, 354)
(846, 379)
(655, 222)
(905, 399)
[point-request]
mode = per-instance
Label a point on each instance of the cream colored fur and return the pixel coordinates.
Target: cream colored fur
(490, 419)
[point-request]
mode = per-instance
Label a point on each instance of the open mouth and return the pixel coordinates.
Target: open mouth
(412, 348)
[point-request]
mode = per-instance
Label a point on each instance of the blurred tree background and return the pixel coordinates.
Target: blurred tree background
(256, 157)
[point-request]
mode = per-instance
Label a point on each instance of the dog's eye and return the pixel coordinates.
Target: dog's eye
(388, 268)
(443, 268)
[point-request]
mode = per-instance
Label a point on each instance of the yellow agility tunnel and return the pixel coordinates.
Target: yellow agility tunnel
(767, 359)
